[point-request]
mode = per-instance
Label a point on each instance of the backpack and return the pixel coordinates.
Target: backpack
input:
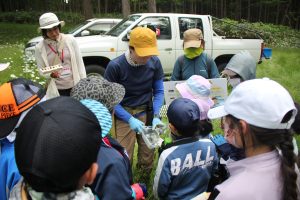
(207, 65)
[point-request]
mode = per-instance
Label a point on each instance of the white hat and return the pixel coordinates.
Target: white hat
(49, 20)
(260, 102)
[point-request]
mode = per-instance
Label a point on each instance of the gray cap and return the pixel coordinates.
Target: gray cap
(242, 64)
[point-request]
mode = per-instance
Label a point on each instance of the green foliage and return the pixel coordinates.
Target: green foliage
(273, 35)
(70, 17)
(24, 17)
(109, 15)
(19, 17)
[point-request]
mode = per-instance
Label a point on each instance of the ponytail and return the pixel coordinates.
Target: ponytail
(288, 164)
(283, 140)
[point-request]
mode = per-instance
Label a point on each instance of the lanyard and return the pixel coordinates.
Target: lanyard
(56, 52)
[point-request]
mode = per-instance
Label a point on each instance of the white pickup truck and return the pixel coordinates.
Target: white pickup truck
(97, 50)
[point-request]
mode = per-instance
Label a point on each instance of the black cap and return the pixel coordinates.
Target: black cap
(56, 143)
(184, 114)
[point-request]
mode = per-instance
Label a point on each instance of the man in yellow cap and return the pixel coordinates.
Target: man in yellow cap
(139, 70)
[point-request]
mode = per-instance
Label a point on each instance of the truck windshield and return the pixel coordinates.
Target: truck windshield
(120, 27)
(78, 27)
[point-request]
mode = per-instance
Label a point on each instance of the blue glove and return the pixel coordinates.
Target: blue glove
(156, 122)
(218, 140)
(136, 124)
(223, 147)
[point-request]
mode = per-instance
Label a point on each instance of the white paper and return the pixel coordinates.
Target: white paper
(3, 66)
(218, 90)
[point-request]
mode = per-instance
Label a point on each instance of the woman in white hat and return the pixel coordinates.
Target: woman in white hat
(58, 57)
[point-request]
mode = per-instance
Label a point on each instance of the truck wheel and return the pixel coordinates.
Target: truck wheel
(221, 67)
(95, 70)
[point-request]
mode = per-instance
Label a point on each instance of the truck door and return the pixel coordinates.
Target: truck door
(166, 46)
(188, 22)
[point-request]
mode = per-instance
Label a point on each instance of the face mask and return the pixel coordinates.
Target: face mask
(234, 82)
(193, 52)
(233, 142)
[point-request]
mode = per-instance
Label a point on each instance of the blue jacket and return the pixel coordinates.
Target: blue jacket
(184, 169)
(184, 67)
(114, 177)
(141, 83)
(9, 173)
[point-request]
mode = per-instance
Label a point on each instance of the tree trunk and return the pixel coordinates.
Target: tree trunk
(260, 11)
(201, 8)
(87, 9)
(249, 10)
(221, 9)
(211, 6)
(217, 9)
(125, 8)
(191, 7)
(238, 10)
(224, 9)
(106, 7)
(152, 6)
(99, 7)
(286, 15)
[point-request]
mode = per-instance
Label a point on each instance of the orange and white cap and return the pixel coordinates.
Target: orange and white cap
(17, 96)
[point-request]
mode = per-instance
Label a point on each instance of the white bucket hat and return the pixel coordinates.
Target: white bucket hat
(49, 20)
(260, 102)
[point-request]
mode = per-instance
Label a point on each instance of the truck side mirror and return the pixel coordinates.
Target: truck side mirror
(126, 37)
(85, 33)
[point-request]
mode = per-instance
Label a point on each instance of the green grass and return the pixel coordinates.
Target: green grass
(282, 67)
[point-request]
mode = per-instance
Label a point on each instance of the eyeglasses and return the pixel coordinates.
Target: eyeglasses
(52, 29)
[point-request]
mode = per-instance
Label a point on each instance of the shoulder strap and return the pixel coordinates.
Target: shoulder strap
(208, 66)
(181, 63)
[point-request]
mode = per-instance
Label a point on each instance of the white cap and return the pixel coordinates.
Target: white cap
(260, 102)
(49, 20)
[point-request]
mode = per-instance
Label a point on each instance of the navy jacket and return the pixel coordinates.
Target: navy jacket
(114, 176)
(184, 170)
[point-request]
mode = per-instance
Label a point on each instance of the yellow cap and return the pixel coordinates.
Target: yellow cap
(144, 42)
(192, 38)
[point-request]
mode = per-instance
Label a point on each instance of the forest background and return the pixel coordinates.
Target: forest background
(279, 12)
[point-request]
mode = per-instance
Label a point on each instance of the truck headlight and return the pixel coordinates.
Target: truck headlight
(31, 44)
